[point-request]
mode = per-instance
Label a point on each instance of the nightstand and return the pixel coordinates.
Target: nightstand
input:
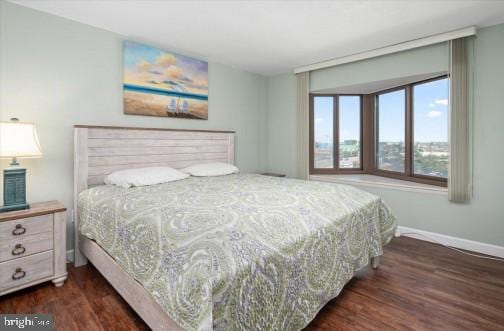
(32, 246)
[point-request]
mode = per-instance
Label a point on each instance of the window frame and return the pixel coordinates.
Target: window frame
(420, 176)
(336, 143)
(369, 136)
(374, 146)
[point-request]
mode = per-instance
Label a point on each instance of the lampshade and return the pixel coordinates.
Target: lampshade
(19, 140)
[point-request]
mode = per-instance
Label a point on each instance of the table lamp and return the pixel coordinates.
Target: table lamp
(17, 140)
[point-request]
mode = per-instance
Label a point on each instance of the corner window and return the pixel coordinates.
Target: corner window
(405, 135)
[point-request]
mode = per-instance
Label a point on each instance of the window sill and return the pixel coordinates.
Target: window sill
(381, 182)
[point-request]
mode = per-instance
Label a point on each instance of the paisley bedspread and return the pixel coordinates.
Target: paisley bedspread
(238, 252)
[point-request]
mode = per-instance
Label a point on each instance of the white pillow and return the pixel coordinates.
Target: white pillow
(211, 169)
(144, 176)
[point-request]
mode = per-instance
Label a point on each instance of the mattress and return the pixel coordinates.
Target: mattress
(238, 252)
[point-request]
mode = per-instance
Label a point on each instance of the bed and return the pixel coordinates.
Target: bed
(233, 252)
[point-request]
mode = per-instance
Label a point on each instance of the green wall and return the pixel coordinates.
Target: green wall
(482, 219)
(281, 129)
(57, 73)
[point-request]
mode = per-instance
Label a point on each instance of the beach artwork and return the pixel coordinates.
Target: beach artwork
(162, 83)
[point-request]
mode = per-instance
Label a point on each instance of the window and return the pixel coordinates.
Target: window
(400, 133)
(349, 129)
(430, 129)
(324, 145)
(335, 133)
(391, 130)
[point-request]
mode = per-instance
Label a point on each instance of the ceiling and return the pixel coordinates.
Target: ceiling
(272, 37)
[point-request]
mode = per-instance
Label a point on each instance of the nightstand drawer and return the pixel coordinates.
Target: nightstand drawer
(17, 248)
(25, 227)
(26, 269)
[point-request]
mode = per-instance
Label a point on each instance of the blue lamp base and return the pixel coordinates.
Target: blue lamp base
(4, 209)
(14, 188)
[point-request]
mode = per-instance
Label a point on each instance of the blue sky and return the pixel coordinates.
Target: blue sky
(323, 114)
(349, 121)
(391, 118)
(430, 105)
(135, 52)
(431, 111)
(349, 118)
(152, 67)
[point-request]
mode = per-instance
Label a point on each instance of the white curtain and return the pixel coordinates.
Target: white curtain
(303, 91)
(459, 173)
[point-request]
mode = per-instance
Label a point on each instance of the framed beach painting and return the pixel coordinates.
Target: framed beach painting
(162, 83)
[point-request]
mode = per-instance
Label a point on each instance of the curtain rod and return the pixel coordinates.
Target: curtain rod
(426, 41)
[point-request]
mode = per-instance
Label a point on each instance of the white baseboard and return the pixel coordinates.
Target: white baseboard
(70, 255)
(470, 245)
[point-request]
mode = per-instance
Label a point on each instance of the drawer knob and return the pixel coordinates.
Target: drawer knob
(18, 250)
(18, 274)
(19, 230)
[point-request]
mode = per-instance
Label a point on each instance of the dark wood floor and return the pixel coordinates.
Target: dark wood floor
(419, 286)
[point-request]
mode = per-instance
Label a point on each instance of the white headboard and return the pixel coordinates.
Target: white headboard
(100, 150)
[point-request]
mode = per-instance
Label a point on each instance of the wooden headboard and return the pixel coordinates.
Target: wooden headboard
(100, 150)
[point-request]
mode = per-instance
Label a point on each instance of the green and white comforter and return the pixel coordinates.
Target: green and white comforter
(238, 252)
